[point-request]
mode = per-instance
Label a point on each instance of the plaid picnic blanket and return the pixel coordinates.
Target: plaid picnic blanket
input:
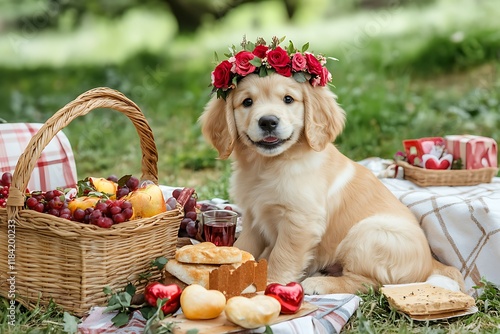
(56, 166)
(462, 225)
(332, 314)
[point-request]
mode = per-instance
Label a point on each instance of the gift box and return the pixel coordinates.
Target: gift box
(475, 152)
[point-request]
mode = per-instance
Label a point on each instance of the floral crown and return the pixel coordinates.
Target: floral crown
(262, 59)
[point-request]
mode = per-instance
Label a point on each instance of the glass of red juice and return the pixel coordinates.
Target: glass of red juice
(219, 226)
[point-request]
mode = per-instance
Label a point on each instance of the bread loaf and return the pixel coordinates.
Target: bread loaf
(208, 253)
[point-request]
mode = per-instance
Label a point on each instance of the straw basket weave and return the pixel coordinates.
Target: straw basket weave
(463, 177)
(72, 262)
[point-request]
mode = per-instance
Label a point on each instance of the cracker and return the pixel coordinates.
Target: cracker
(424, 299)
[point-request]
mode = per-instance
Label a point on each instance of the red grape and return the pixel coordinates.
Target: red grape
(126, 205)
(6, 179)
(127, 212)
(176, 193)
(104, 222)
(113, 210)
(132, 183)
(184, 222)
(191, 215)
(113, 178)
(49, 195)
(79, 214)
(39, 207)
(192, 229)
(31, 202)
(119, 218)
(171, 203)
(122, 191)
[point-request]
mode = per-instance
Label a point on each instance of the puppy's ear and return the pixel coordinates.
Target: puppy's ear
(324, 118)
(218, 125)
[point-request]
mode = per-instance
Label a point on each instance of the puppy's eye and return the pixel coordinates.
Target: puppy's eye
(247, 102)
(288, 99)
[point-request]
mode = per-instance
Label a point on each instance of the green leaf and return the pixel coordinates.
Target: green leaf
(120, 319)
(130, 289)
(112, 307)
(268, 330)
(192, 331)
(256, 61)
(216, 56)
(70, 323)
(148, 311)
(262, 71)
(107, 290)
(249, 46)
(299, 77)
(305, 47)
(124, 299)
(123, 180)
(291, 48)
(160, 262)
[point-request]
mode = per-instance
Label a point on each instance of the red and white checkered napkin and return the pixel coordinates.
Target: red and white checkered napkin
(56, 166)
(332, 314)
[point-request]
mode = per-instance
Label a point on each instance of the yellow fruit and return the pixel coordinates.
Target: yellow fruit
(147, 201)
(104, 186)
(82, 203)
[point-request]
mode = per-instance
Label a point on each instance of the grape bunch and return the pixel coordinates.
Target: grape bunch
(105, 213)
(5, 183)
(126, 184)
(186, 197)
(52, 202)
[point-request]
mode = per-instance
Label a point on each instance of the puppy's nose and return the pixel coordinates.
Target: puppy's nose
(268, 123)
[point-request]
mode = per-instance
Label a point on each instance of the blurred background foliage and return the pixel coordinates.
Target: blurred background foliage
(405, 69)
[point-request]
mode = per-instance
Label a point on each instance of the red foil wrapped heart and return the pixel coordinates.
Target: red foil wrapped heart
(290, 296)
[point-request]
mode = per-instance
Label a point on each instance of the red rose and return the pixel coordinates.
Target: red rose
(299, 63)
(313, 65)
(280, 61)
(325, 76)
(242, 64)
(260, 51)
(221, 76)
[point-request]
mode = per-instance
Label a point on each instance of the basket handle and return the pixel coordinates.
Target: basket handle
(101, 97)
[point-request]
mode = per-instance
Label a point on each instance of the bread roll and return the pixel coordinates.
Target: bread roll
(208, 253)
(190, 273)
(254, 312)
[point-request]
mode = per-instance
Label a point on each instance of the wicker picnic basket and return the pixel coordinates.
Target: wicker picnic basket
(71, 262)
(460, 177)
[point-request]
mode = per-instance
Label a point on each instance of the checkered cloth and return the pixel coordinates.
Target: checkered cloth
(332, 314)
(462, 225)
(56, 166)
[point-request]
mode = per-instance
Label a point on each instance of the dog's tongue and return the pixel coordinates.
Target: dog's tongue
(270, 139)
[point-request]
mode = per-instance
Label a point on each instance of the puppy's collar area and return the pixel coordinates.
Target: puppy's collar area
(261, 59)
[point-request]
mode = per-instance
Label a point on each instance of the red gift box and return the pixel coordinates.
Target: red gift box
(475, 151)
(416, 148)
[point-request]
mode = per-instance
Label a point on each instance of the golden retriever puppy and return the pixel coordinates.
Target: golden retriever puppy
(306, 206)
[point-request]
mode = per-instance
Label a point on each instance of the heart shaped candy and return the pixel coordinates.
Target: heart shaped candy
(433, 162)
(156, 290)
(290, 296)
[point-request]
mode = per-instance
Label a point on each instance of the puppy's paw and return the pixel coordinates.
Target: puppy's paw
(315, 285)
